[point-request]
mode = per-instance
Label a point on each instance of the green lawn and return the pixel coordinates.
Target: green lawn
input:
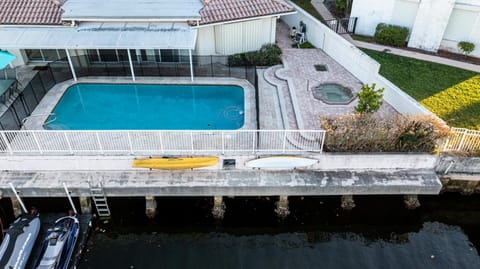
(307, 6)
(451, 93)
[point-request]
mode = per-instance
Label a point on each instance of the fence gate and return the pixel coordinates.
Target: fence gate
(343, 25)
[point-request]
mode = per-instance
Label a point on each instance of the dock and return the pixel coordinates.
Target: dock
(47, 221)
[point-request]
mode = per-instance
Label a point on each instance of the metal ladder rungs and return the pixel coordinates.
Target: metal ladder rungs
(100, 200)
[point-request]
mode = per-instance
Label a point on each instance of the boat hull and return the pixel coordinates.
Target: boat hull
(19, 241)
(175, 163)
(58, 246)
(280, 162)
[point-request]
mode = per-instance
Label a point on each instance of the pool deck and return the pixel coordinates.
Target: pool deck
(48, 103)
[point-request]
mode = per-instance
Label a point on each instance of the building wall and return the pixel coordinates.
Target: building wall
(430, 24)
(433, 24)
(240, 37)
(370, 13)
(205, 41)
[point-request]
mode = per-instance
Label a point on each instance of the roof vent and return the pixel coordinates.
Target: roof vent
(58, 3)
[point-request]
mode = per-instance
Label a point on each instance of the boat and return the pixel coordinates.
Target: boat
(280, 162)
(59, 243)
(175, 163)
(19, 240)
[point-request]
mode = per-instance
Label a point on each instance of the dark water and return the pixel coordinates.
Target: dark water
(379, 233)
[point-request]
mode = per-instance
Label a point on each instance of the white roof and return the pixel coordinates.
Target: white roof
(131, 9)
(101, 36)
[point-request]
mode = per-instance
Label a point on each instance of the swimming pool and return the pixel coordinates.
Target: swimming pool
(148, 107)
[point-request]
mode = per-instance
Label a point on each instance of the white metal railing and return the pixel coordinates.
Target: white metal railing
(463, 140)
(39, 142)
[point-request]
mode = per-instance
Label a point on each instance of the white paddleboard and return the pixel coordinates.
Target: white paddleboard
(280, 162)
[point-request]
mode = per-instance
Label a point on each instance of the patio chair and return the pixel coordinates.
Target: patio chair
(299, 39)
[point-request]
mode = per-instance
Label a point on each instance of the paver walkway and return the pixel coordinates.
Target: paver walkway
(325, 13)
(298, 76)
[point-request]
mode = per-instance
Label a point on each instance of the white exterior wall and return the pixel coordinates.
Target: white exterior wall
(433, 24)
(205, 41)
(430, 24)
(464, 25)
(21, 57)
(370, 13)
(243, 36)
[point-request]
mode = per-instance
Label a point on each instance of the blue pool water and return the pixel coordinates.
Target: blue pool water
(149, 107)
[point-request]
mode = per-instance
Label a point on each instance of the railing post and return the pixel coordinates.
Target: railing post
(323, 141)
(99, 143)
(70, 63)
(354, 24)
(254, 133)
(162, 149)
(460, 145)
(284, 140)
(68, 142)
(191, 142)
(36, 142)
(223, 143)
(130, 142)
(7, 144)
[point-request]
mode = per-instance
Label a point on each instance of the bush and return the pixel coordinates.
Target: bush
(466, 47)
(391, 35)
(392, 133)
(268, 55)
(369, 99)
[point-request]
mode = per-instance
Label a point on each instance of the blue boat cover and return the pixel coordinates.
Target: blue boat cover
(5, 58)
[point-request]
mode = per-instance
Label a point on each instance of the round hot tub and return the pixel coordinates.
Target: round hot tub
(334, 94)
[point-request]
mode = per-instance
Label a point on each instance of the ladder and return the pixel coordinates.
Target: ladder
(100, 200)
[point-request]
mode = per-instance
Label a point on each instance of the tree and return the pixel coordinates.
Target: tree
(466, 47)
(369, 99)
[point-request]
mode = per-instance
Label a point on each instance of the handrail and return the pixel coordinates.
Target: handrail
(148, 142)
(41, 115)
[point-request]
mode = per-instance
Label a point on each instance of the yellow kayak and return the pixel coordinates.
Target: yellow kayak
(175, 163)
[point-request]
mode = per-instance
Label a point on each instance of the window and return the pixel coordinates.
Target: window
(41, 55)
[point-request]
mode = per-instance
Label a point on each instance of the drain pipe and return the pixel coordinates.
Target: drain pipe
(18, 198)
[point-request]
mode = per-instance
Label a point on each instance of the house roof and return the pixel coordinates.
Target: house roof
(46, 12)
(92, 10)
(215, 11)
(43, 12)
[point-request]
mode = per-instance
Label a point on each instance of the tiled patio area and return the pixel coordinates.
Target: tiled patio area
(297, 77)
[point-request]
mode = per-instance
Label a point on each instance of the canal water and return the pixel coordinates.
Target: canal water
(378, 233)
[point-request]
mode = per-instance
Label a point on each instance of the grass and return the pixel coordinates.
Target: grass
(307, 6)
(305, 45)
(451, 93)
(363, 38)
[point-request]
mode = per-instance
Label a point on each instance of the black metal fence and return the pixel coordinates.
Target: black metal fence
(59, 71)
(343, 25)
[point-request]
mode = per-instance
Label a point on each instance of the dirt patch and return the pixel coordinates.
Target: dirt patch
(458, 57)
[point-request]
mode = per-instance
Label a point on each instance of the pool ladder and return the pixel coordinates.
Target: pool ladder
(98, 195)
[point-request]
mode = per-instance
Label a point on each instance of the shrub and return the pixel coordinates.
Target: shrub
(466, 47)
(391, 133)
(369, 99)
(268, 55)
(391, 35)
